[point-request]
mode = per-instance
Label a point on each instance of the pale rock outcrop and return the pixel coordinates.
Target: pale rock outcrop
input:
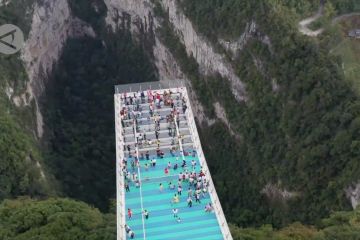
(137, 14)
(221, 114)
(353, 194)
(4, 2)
(52, 24)
(274, 192)
(166, 63)
(251, 31)
(235, 46)
(209, 61)
(9, 91)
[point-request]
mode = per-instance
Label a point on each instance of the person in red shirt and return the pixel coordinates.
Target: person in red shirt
(129, 213)
(166, 171)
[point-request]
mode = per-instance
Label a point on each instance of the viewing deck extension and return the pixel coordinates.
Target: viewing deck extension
(156, 124)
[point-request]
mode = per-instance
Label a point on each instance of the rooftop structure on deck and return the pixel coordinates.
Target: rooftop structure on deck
(155, 121)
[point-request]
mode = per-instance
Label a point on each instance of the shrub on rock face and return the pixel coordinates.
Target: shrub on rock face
(18, 173)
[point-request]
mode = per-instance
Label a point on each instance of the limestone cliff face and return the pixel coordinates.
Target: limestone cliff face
(235, 46)
(138, 16)
(52, 24)
(208, 60)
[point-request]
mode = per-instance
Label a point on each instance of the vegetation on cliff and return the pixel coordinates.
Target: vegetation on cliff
(299, 128)
(66, 219)
(20, 154)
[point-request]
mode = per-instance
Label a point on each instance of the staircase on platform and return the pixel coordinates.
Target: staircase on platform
(181, 135)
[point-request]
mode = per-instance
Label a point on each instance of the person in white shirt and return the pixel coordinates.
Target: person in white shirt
(153, 162)
(179, 190)
(193, 164)
(175, 212)
(191, 180)
(204, 191)
(131, 234)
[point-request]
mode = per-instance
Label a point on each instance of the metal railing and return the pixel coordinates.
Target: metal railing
(179, 138)
(120, 189)
(140, 181)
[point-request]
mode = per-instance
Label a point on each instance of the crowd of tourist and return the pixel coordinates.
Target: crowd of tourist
(144, 109)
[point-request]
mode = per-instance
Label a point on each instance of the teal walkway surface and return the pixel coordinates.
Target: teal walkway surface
(160, 125)
(195, 224)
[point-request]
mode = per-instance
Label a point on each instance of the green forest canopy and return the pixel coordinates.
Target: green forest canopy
(54, 219)
(66, 219)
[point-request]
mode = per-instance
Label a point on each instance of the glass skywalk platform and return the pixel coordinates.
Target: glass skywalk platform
(158, 126)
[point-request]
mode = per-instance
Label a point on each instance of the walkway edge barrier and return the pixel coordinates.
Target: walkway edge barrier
(120, 189)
